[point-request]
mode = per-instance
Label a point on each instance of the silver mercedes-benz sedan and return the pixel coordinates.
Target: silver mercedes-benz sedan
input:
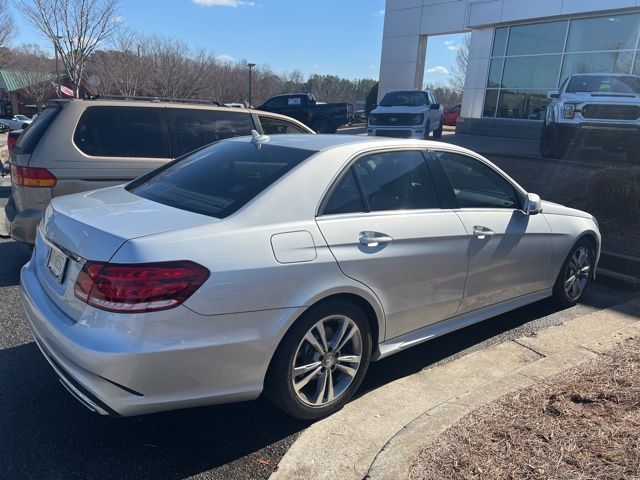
(284, 265)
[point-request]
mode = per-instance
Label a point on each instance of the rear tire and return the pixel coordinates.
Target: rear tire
(329, 371)
(552, 143)
(575, 275)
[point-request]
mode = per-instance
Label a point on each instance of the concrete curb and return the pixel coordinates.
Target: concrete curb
(379, 435)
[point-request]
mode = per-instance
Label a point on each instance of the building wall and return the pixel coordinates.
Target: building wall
(409, 23)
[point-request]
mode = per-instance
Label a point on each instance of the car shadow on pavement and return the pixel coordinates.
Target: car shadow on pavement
(45, 433)
(13, 255)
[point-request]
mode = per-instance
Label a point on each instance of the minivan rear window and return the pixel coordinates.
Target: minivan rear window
(108, 131)
(28, 139)
(219, 179)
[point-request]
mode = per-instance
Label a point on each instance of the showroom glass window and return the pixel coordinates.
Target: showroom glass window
(529, 60)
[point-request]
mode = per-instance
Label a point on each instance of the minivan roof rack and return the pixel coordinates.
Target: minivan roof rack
(153, 99)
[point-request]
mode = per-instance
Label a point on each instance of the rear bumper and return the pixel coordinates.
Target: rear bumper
(21, 225)
(137, 364)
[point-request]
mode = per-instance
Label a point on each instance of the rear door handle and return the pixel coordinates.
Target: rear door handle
(482, 232)
(373, 239)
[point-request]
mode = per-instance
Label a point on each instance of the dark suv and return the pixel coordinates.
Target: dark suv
(79, 145)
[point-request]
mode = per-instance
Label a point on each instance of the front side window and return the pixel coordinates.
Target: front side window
(191, 129)
(109, 131)
(276, 126)
(277, 102)
(475, 184)
(396, 181)
(219, 179)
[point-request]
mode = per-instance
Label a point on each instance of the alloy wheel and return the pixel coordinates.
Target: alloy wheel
(578, 273)
(327, 360)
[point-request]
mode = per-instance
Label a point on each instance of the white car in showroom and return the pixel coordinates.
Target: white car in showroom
(407, 114)
(593, 109)
(284, 265)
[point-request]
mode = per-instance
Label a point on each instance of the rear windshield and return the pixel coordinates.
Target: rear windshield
(28, 140)
(603, 84)
(219, 179)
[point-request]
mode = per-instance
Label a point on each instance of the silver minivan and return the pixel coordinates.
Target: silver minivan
(79, 145)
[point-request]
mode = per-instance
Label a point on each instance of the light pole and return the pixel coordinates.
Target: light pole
(55, 47)
(250, 65)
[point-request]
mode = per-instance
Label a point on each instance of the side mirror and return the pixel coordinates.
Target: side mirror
(532, 204)
(553, 95)
(435, 106)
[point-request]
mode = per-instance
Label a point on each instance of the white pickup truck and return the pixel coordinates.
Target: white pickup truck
(407, 114)
(601, 109)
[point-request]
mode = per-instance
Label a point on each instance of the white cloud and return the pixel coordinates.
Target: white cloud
(449, 42)
(224, 3)
(439, 70)
(379, 13)
(224, 58)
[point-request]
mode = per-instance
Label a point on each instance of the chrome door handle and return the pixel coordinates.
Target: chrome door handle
(373, 239)
(482, 232)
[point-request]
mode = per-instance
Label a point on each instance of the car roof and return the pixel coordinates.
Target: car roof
(603, 74)
(324, 142)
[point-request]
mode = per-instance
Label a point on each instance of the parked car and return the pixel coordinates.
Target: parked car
(407, 114)
(285, 265)
(321, 117)
(23, 119)
(13, 124)
(601, 109)
(79, 145)
(452, 115)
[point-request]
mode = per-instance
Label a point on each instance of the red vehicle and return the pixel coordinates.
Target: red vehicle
(452, 115)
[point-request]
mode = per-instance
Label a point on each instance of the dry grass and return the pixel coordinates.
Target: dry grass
(582, 424)
(615, 193)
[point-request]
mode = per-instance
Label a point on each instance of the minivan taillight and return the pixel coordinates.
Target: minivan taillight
(135, 288)
(32, 176)
(11, 141)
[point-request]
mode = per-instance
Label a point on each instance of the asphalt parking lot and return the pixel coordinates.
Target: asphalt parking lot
(45, 433)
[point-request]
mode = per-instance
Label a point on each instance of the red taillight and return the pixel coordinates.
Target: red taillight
(32, 176)
(135, 288)
(11, 141)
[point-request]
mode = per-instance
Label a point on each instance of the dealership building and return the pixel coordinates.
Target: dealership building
(519, 51)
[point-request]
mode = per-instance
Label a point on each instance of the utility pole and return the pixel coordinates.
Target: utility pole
(250, 65)
(55, 47)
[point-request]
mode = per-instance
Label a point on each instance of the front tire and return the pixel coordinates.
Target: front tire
(321, 361)
(438, 133)
(575, 275)
(552, 142)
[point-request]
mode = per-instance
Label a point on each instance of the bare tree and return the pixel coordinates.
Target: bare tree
(176, 71)
(7, 29)
(75, 27)
(459, 70)
(123, 69)
(36, 71)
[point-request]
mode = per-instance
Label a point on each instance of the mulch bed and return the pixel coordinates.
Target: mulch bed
(582, 424)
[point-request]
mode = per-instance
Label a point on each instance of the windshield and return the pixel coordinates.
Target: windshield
(603, 84)
(22, 117)
(404, 99)
(219, 179)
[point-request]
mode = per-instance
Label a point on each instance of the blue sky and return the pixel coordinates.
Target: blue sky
(341, 37)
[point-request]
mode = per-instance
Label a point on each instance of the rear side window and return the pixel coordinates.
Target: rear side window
(273, 126)
(28, 140)
(346, 198)
(219, 179)
(191, 129)
(396, 181)
(105, 131)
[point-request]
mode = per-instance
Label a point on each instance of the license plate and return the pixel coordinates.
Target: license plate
(57, 263)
